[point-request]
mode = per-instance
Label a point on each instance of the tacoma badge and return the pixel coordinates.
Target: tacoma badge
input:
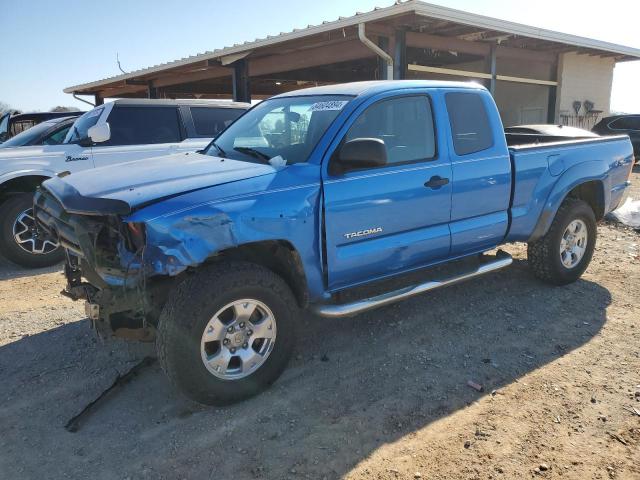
(362, 233)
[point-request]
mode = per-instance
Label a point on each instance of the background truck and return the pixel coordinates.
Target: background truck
(117, 132)
(338, 199)
(49, 132)
(14, 124)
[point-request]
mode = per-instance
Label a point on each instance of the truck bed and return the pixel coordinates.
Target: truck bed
(526, 139)
(551, 164)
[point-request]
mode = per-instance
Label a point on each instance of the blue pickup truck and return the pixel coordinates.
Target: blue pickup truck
(331, 199)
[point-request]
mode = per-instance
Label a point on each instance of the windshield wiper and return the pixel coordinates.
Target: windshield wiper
(253, 152)
(220, 150)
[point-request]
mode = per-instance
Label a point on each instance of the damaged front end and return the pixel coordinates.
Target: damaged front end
(105, 263)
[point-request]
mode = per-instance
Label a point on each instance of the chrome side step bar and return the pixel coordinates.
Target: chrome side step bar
(502, 260)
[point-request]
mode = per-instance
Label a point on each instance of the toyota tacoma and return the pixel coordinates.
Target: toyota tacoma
(330, 199)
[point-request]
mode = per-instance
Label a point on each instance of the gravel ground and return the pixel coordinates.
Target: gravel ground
(380, 396)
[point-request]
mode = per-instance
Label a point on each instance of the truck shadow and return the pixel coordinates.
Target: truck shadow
(10, 270)
(352, 386)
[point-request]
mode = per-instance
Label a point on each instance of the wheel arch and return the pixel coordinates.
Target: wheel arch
(591, 192)
(26, 183)
(279, 256)
(586, 181)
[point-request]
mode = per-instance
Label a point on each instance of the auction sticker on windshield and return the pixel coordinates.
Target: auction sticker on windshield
(331, 105)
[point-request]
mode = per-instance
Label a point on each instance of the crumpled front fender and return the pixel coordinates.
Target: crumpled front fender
(188, 241)
(190, 236)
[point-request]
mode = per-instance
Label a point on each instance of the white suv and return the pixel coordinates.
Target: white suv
(117, 132)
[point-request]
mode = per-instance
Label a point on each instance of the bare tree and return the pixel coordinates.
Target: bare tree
(4, 108)
(61, 108)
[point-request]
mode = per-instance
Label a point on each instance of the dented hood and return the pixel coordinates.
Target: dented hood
(123, 187)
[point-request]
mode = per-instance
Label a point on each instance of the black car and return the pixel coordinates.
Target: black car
(50, 132)
(11, 125)
(621, 124)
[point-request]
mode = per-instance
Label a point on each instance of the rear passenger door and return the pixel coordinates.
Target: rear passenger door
(481, 169)
(139, 132)
(393, 218)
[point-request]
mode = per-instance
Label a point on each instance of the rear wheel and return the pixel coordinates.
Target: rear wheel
(227, 332)
(20, 241)
(563, 254)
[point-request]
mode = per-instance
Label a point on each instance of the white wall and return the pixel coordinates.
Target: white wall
(580, 77)
(584, 77)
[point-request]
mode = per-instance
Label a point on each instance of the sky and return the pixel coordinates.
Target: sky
(49, 45)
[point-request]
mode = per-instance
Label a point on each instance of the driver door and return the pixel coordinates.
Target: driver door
(393, 218)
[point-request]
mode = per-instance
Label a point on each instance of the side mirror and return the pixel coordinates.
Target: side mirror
(99, 133)
(293, 117)
(362, 153)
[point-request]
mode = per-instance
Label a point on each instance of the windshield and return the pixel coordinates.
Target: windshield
(27, 136)
(80, 127)
(284, 130)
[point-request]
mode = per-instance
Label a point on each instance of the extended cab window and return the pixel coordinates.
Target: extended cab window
(404, 124)
(21, 126)
(469, 123)
(209, 122)
(143, 125)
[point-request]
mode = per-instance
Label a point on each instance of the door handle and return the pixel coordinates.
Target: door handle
(436, 182)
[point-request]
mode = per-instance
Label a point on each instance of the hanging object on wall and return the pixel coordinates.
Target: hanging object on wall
(588, 105)
(577, 105)
(587, 120)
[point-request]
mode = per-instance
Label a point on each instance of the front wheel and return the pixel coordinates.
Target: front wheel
(20, 241)
(563, 254)
(227, 332)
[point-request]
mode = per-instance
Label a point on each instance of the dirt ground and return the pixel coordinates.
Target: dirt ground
(380, 396)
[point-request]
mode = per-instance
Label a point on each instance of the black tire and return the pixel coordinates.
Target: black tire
(544, 254)
(10, 210)
(187, 313)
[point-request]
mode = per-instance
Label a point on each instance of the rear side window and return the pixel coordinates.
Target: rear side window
(143, 125)
(209, 122)
(21, 126)
(404, 124)
(469, 123)
(626, 123)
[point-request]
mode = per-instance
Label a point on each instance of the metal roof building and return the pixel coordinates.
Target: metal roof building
(536, 75)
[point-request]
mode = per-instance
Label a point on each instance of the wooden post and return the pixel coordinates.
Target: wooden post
(400, 55)
(241, 81)
(493, 69)
(553, 108)
(152, 92)
(383, 43)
